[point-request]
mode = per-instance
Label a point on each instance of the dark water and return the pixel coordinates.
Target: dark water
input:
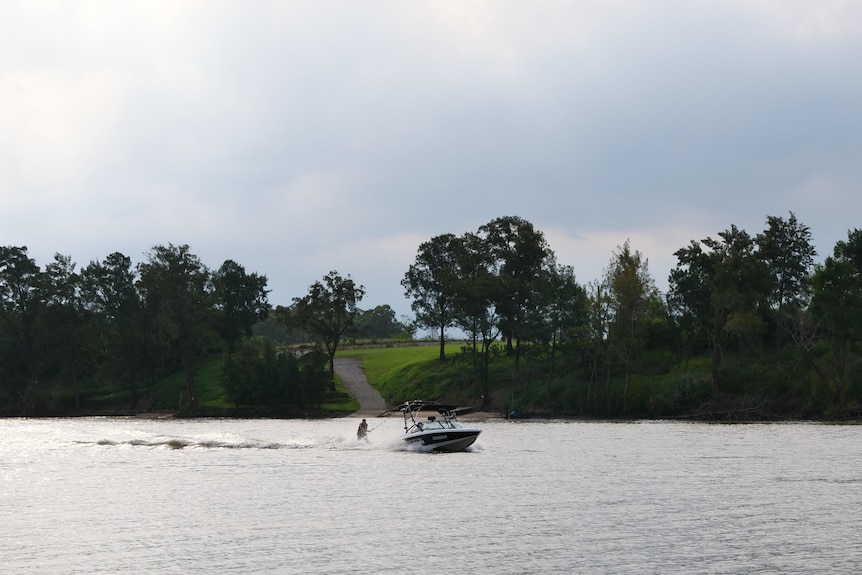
(138, 496)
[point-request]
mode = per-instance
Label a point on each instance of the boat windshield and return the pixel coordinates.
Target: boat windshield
(430, 425)
(438, 424)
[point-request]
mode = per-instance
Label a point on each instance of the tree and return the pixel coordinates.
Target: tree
(380, 323)
(431, 282)
(785, 246)
(109, 291)
(837, 308)
(477, 303)
(630, 290)
(563, 304)
(562, 309)
(598, 314)
(19, 306)
(327, 312)
(241, 302)
(518, 251)
(720, 290)
(258, 374)
(62, 321)
(176, 287)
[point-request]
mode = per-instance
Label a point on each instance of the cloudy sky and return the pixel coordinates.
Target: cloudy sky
(302, 137)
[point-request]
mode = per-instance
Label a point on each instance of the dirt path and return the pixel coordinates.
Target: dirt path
(371, 403)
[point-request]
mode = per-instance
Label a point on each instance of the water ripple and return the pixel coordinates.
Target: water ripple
(95, 496)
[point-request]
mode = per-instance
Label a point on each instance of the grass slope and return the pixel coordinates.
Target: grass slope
(415, 372)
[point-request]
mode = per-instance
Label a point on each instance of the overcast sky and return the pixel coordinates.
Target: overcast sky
(302, 137)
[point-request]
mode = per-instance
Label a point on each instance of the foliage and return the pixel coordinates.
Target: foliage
(241, 299)
(518, 254)
(176, 286)
(432, 283)
(631, 294)
(114, 329)
(749, 326)
(837, 309)
(720, 289)
(380, 324)
(261, 375)
(326, 313)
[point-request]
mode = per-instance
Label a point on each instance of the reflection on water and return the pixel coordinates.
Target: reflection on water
(107, 495)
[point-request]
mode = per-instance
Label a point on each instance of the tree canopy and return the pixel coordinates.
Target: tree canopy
(326, 313)
(767, 321)
(115, 324)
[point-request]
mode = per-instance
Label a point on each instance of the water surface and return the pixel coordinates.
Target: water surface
(115, 495)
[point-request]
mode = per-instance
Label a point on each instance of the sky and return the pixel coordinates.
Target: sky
(301, 137)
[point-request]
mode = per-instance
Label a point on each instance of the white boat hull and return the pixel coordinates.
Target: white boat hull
(443, 439)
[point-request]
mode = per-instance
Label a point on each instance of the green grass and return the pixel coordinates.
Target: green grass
(403, 373)
(340, 400)
(415, 372)
(171, 391)
(380, 363)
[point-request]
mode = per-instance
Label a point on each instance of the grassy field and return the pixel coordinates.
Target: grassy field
(381, 363)
(414, 372)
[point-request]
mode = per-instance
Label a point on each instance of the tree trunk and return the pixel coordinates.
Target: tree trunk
(553, 352)
(75, 389)
(190, 386)
(442, 343)
(486, 386)
(715, 364)
(332, 371)
(190, 376)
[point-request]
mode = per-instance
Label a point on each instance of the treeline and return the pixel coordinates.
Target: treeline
(747, 319)
(772, 322)
(68, 333)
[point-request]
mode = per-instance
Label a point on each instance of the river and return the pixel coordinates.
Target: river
(126, 495)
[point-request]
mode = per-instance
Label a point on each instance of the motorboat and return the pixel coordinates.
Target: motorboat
(441, 432)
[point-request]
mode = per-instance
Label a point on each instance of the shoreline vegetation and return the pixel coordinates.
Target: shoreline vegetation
(751, 327)
(403, 370)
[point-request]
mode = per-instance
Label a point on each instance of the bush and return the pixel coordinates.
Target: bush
(260, 375)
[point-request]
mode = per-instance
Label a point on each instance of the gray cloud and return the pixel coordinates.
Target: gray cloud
(296, 138)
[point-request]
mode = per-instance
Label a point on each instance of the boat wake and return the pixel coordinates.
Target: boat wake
(167, 442)
(183, 443)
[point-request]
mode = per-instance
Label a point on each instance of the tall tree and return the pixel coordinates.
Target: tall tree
(518, 253)
(176, 286)
(598, 314)
(785, 246)
(563, 305)
(327, 312)
(477, 303)
(837, 308)
(19, 305)
(62, 320)
(431, 284)
(721, 290)
(630, 290)
(109, 291)
(241, 302)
